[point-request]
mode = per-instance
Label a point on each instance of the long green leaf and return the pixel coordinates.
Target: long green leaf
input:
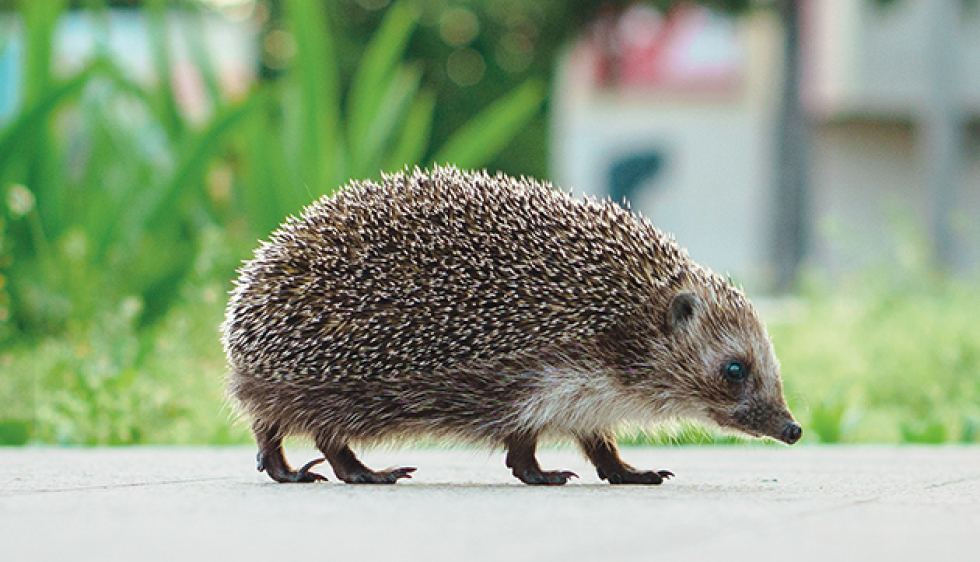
(40, 19)
(15, 140)
(43, 174)
(194, 32)
(366, 158)
(120, 78)
(482, 137)
(167, 109)
(317, 77)
(35, 115)
(190, 171)
(270, 191)
(414, 138)
(377, 68)
(109, 197)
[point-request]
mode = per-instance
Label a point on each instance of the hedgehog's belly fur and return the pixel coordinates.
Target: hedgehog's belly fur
(482, 407)
(375, 410)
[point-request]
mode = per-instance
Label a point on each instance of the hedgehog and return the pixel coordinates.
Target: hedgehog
(447, 304)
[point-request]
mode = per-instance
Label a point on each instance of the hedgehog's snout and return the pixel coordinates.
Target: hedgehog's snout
(791, 433)
(762, 419)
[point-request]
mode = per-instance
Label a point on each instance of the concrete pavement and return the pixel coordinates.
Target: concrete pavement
(727, 503)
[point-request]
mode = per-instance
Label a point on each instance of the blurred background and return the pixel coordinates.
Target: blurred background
(823, 153)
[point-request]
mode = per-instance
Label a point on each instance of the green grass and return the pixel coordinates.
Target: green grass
(108, 381)
(885, 364)
(886, 361)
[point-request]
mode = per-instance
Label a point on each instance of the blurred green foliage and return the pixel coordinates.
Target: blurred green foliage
(508, 41)
(108, 184)
(122, 221)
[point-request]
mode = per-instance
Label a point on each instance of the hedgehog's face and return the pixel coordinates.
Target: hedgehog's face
(727, 368)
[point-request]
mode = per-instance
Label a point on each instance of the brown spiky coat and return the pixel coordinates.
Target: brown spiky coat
(487, 309)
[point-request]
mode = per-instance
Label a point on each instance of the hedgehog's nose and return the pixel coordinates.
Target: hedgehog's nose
(791, 433)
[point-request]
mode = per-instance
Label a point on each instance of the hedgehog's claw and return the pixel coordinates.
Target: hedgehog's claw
(395, 473)
(635, 476)
(304, 474)
(283, 474)
(544, 477)
(389, 476)
(304, 471)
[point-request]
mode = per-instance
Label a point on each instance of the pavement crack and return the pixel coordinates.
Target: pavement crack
(111, 486)
(953, 482)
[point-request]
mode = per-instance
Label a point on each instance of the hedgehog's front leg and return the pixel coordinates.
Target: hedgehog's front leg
(521, 460)
(273, 462)
(349, 469)
(601, 450)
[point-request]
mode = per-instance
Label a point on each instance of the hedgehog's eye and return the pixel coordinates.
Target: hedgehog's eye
(735, 371)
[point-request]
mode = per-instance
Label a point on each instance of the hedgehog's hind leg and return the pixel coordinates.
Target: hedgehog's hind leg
(601, 450)
(349, 469)
(524, 465)
(271, 459)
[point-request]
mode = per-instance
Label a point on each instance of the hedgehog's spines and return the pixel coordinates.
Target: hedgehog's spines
(436, 280)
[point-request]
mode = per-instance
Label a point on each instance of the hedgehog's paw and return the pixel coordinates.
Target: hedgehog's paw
(280, 472)
(630, 476)
(389, 476)
(544, 477)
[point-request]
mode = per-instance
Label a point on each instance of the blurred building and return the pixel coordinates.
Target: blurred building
(677, 113)
(878, 80)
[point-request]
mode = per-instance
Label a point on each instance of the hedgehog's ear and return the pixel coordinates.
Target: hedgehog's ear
(681, 310)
